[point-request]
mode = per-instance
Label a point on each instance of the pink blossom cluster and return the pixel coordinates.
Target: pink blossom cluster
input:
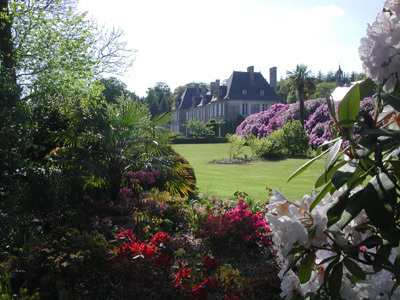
(239, 225)
(143, 177)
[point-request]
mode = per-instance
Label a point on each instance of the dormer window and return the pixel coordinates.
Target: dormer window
(244, 92)
(261, 93)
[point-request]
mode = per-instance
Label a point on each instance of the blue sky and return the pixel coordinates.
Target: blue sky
(179, 41)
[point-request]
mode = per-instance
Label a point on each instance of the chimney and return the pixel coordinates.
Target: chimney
(217, 92)
(251, 71)
(272, 78)
(212, 88)
(197, 91)
(203, 89)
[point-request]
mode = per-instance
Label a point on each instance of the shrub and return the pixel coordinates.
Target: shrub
(268, 148)
(294, 138)
(236, 144)
(236, 232)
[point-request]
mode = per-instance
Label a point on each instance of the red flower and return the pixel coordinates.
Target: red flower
(159, 238)
(146, 250)
(210, 262)
(182, 273)
(199, 292)
(211, 283)
(163, 260)
(125, 234)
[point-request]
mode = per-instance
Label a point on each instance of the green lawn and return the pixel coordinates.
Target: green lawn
(225, 180)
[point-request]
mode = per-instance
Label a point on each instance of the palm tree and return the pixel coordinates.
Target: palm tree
(300, 80)
(121, 137)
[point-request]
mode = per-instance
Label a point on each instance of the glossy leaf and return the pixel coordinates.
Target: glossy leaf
(372, 241)
(336, 209)
(331, 159)
(349, 107)
(296, 250)
(383, 132)
(335, 280)
(355, 269)
(392, 101)
(321, 195)
(306, 267)
(353, 207)
(396, 269)
(382, 258)
(344, 174)
(326, 176)
(367, 146)
(306, 165)
(380, 199)
(366, 87)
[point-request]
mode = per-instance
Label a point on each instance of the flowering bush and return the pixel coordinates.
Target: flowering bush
(343, 241)
(296, 228)
(237, 231)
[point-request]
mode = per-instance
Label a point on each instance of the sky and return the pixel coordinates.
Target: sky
(182, 41)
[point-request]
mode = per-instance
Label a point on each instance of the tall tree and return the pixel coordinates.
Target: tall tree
(115, 89)
(59, 53)
(159, 99)
(301, 81)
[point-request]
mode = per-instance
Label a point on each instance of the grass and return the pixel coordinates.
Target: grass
(253, 179)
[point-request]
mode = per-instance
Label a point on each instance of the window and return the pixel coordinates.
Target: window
(244, 111)
(261, 92)
(244, 92)
(264, 106)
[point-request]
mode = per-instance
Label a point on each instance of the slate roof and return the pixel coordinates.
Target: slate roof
(186, 100)
(240, 81)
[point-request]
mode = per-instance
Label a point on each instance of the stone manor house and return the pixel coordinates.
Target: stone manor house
(245, 93)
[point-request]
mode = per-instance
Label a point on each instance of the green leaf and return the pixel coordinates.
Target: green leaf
(335, 280)
(344, 174)
(372, 241)
(326, 176)
(336, 209)
(349, 107)
(382, 258)
(392, 101)
(353, 208)
(367, 146)
(366, 87)
(396, 269)
(380, 200)
(333, 151)
(321, 195)
(383, 132)
(306, 267)
(331, 107)
(355, 269)
(306, 165)
(295, 250)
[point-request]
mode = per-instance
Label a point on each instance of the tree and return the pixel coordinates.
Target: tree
(159, 99)
(198, 128)
(59, 53)
(323, 89)
(114, 89)
(181, 89)
(301, 81)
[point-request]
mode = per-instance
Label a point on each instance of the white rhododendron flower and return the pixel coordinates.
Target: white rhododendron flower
(293, 225)
(380, 50)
